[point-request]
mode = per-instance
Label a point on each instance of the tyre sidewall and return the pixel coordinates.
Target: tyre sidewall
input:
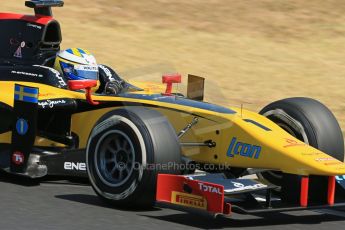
(155, 142)
(141, 144)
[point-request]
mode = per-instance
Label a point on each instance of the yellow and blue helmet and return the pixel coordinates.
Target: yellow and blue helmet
(76, 64)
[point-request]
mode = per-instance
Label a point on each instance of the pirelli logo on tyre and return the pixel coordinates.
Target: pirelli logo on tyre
(188, 200)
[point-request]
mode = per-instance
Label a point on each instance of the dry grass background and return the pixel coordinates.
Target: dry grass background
(252, 51)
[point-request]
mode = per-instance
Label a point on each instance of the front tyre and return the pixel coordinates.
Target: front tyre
(126, 151)
(309, 121)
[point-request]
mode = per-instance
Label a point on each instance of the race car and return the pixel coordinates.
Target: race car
(141, 147)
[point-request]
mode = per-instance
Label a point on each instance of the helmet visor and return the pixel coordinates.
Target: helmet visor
(80, 72)
(86, 71)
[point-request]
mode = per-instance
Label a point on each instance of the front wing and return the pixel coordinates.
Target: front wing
(214, 195)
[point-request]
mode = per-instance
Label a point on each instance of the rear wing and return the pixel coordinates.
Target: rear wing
(43, 7)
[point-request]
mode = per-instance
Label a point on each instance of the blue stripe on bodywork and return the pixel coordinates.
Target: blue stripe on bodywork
(257, 124)
(180, 101)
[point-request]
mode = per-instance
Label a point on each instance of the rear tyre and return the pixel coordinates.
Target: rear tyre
(309, 121)
(126, 151)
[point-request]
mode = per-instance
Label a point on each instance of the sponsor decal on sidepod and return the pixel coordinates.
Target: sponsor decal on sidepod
(18, 158)
(51, 103)
(243, 149)
(78, 166)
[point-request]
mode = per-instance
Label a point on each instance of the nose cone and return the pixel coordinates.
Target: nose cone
(296, 157)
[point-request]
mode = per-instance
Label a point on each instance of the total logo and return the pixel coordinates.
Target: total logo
(209, 188)
(18, 158)
(243, 149)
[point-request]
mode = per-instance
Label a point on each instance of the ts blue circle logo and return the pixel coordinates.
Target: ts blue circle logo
(22, 126)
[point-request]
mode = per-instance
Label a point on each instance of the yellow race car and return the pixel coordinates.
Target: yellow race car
(127, 142)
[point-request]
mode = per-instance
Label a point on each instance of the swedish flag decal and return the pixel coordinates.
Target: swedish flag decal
(25, 94)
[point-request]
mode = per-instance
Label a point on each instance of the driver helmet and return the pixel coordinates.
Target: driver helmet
(76, 64)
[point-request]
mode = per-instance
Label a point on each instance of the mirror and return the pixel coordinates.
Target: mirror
(86, 85)
(169, 79)
(81, 84)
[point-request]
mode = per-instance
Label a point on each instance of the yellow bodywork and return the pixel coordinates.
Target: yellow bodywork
(252, 146)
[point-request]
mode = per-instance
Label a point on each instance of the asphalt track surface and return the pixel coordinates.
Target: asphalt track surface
(57, 204)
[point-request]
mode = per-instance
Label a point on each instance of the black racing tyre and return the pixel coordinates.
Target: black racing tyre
(127, 149)
(309, 121)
